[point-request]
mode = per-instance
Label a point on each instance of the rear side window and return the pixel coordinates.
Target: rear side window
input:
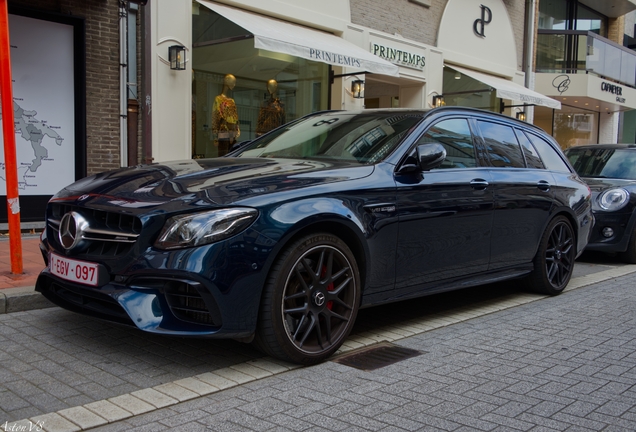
(550, 156)
(532, 156)
(501, 145)
(455, 136)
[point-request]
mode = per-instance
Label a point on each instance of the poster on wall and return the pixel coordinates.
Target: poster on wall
(44, 69)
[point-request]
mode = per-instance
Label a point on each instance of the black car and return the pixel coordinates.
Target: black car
(282, 242)
(610, 171)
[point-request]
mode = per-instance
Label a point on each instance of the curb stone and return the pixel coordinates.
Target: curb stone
(22, 299)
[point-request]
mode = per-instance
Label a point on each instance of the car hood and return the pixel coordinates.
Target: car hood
(597, 184)
(205, 182)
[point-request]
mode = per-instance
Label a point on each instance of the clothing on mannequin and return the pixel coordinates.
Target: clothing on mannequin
(225, 123)
(272, 111)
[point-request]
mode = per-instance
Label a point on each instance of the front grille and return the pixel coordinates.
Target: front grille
(108, 234)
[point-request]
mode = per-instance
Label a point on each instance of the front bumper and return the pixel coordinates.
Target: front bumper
(621, 223)
(170, 292)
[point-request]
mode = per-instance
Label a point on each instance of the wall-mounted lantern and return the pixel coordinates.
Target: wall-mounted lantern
(438, 101)
(177, 57)
(357, 89)
(521, 115)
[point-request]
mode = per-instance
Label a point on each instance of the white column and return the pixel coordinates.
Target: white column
(608, 128)
(171, 89)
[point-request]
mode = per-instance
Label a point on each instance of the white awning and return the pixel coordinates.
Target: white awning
(507, 89)
(283, 37)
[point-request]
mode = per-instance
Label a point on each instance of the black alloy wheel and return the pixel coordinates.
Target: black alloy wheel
(554, 262)
(311, 300)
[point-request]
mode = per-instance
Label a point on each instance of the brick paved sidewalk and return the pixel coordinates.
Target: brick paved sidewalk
(54, 360)
(32, 263)
(563, 363)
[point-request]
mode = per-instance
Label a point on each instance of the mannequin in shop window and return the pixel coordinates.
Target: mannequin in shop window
(225, 123)
(272, 112)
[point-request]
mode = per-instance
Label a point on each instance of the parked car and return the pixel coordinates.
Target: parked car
(282, 242)
(610, 171)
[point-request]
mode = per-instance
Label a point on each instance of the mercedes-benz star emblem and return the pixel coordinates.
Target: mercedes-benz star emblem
(72, 228)
(319, 298)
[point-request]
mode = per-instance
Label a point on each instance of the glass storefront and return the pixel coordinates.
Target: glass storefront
(240, 92)
(461, 90)
(570, 126)
(627, 131)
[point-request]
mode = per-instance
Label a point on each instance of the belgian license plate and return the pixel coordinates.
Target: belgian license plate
(74, 270)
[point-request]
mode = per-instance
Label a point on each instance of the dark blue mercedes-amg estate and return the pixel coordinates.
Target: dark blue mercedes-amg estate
(282, 241)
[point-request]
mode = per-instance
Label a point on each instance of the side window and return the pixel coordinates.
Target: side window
(532, 156)
(551, 158)
(455, 136)
(501, 145)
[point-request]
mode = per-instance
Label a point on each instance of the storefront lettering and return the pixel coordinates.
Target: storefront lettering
(399, 57)
(531, 99)
(334, 58)
(479, 26)
(614, 89)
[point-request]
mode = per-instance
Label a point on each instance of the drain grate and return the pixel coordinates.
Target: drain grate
(376, 356)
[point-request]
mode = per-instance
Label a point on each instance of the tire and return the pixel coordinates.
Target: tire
(310, 300)
(554, 261)
(629, 256)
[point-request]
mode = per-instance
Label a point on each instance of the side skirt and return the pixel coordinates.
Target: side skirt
(446, 285)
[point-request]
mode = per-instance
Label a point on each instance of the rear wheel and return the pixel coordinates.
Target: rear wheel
(310, 301)
(554, 262)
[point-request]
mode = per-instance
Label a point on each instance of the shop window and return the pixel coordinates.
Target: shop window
(240, 92)
(570, 126)
(462, 90)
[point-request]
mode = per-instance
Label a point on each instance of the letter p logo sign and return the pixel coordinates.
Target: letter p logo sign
(480, 23)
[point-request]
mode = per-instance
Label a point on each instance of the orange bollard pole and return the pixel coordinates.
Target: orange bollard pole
(8, 130)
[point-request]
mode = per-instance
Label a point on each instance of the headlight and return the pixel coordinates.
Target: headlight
(203, 228)
(613, 199)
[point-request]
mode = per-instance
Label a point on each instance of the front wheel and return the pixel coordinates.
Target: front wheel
(554, 261)
(310, 301)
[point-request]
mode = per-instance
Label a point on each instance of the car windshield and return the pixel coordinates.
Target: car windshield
(363, 138)
(604, 162)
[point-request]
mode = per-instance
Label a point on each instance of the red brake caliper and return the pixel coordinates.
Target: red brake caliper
(330, 287)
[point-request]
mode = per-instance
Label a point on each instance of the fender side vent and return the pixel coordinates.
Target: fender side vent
(376, 356)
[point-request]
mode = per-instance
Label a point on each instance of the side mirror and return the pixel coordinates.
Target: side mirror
(430, 155)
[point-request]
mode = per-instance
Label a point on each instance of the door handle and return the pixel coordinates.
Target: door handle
(479, 183)
(543, 185)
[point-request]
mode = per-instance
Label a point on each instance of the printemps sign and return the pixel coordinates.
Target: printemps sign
(398, 56)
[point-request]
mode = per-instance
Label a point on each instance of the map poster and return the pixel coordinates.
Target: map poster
(44, 69)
